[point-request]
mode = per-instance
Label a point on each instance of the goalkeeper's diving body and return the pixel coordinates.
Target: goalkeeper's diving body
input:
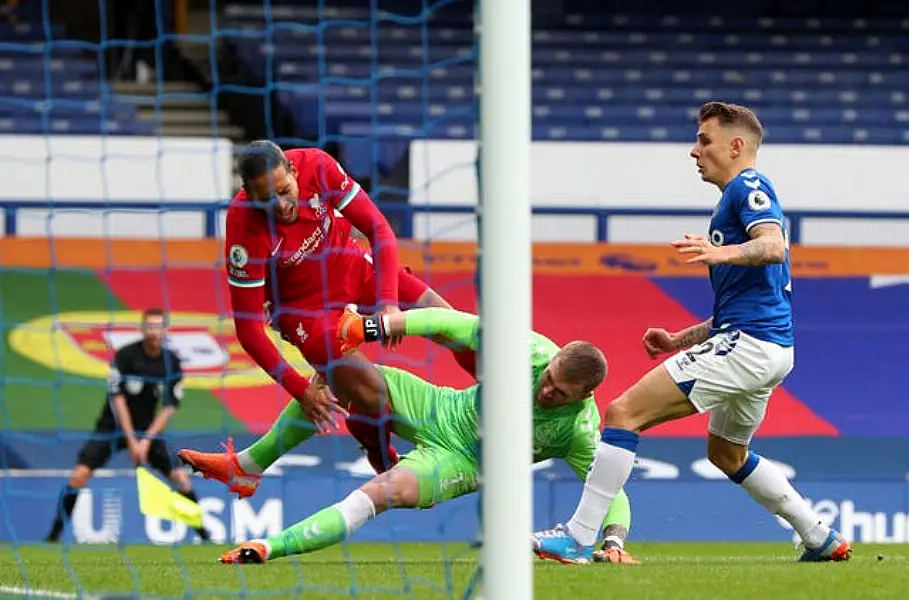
(442, 424)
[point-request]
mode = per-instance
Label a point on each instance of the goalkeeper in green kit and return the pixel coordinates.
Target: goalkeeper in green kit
(442, 424)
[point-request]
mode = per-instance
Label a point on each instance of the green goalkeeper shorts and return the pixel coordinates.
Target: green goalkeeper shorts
(442, 475)
(441, 422)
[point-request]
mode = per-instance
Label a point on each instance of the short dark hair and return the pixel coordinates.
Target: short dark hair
(154, 312)
(258, 158)
(732, 115)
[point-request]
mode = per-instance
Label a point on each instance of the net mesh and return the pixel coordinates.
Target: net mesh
(119, 124)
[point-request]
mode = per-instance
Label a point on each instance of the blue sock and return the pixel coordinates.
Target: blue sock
(611, 467)
(750, 465)
(621, 438)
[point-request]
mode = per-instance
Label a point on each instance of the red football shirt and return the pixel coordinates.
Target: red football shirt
(308, 262)
(306, 255)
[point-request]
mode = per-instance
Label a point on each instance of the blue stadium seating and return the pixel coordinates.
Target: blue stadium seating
(600, 76)
(56, 88)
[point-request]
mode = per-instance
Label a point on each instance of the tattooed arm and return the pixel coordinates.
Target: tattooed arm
(765, 247)
(660, 341)
(692, 335)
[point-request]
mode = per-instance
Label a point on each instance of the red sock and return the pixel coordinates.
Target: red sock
(467, 359)
(374, 437)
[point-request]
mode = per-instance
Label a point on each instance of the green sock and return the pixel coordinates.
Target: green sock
(619, 511)
(323, 529)
(290, 430)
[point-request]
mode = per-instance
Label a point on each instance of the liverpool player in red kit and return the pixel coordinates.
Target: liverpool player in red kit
(294, 264)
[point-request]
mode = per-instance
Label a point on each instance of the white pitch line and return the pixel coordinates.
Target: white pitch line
(36, 593)
(29, 592)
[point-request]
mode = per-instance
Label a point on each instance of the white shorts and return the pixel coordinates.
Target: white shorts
(731, 376)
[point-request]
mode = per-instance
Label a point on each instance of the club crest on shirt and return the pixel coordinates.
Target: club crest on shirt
(315, 203)
(545, 435)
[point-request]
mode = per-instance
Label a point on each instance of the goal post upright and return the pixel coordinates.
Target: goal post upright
(505, 299)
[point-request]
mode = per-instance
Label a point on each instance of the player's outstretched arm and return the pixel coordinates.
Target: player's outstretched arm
(767, 246)
(248, 247)
(354, 203)
(249, 323)
(447, 326)
(660, 341)
(761, 216)
(247, 250)
(691, 336)
(457, 328)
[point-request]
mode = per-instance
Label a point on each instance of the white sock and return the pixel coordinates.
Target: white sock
(609, 471)
(769, 487)
(615, 541)
(356, 509)
(267, 548)
(247, 463)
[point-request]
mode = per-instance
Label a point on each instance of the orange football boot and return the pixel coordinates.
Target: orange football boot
(223, 467)
(835, 549)
(248, 553)
(614, 556)
(350, 329)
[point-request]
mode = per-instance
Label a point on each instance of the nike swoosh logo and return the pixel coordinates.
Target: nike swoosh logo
(277, 247)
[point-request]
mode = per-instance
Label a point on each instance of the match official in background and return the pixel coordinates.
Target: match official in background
(142, 374)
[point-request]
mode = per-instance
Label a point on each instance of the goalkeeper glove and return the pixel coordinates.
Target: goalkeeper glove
(355, 329)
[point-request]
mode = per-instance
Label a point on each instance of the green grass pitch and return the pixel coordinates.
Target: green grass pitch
(430, 571)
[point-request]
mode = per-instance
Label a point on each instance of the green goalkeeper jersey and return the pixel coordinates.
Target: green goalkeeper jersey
(568, 432)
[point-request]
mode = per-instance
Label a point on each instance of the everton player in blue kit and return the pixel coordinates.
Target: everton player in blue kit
(726, 366)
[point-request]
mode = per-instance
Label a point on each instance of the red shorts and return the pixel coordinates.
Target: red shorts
(313, 330)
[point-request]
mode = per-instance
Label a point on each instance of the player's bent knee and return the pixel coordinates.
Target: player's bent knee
(726, 456)
(431, 298)
(359, 382)
(627, 412)
(619, 414)
(397, 488)
(726, 463)
(80, 476)
(405, 488)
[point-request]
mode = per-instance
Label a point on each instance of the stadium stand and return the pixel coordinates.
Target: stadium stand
(599, 75)
(604, 72)
(62, 98)
(57, 81)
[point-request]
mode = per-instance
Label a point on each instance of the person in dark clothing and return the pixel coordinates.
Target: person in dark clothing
(132, 31)
(142, 375)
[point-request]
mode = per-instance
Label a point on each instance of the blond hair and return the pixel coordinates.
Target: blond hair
(584, 363)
